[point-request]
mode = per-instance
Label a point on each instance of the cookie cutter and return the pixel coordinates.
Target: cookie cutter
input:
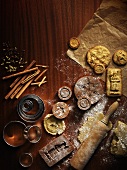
(13, 133)
(26, 159)
(30, 108)
(33, 133)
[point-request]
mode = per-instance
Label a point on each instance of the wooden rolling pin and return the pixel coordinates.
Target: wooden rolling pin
(89, 145)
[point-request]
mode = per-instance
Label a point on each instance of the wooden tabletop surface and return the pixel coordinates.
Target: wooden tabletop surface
(42, 28)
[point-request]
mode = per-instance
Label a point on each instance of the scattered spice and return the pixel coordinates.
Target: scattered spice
(11, 59)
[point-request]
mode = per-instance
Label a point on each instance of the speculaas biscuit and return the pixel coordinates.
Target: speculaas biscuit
(120, 57)
(74, 43)
(99, 68)
(98, 58)
(114, 82)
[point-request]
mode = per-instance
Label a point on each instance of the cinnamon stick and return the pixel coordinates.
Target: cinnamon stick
(20, 73)
(15, 87)
(38, 65)
(30, 77)
(24, 88)
(18, 78)
(22, 84)
(15, 81)
(37, 83)
(16, 91)
(41, 74)
(42, 81)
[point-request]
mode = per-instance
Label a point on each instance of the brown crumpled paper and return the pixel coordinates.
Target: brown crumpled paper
(108, 27)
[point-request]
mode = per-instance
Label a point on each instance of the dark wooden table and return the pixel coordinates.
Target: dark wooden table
(42, 28)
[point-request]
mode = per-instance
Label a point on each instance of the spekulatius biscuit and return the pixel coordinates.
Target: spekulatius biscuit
(74, 43)
(99, 68)
(98, 58)
(120, 57)
(114, 82)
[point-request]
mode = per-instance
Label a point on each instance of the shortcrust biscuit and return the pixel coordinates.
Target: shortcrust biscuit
(98, 55)
(74, 43)
(120, 57)
(99, 68)
(114, 82)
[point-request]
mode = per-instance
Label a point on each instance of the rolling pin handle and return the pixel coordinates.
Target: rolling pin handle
(110, 111)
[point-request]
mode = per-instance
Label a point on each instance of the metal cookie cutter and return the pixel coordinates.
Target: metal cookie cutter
(13, 133)
(26, 159)
(30, 108)
(33, 133)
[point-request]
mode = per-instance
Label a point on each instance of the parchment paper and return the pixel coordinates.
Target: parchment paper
(108, 27)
